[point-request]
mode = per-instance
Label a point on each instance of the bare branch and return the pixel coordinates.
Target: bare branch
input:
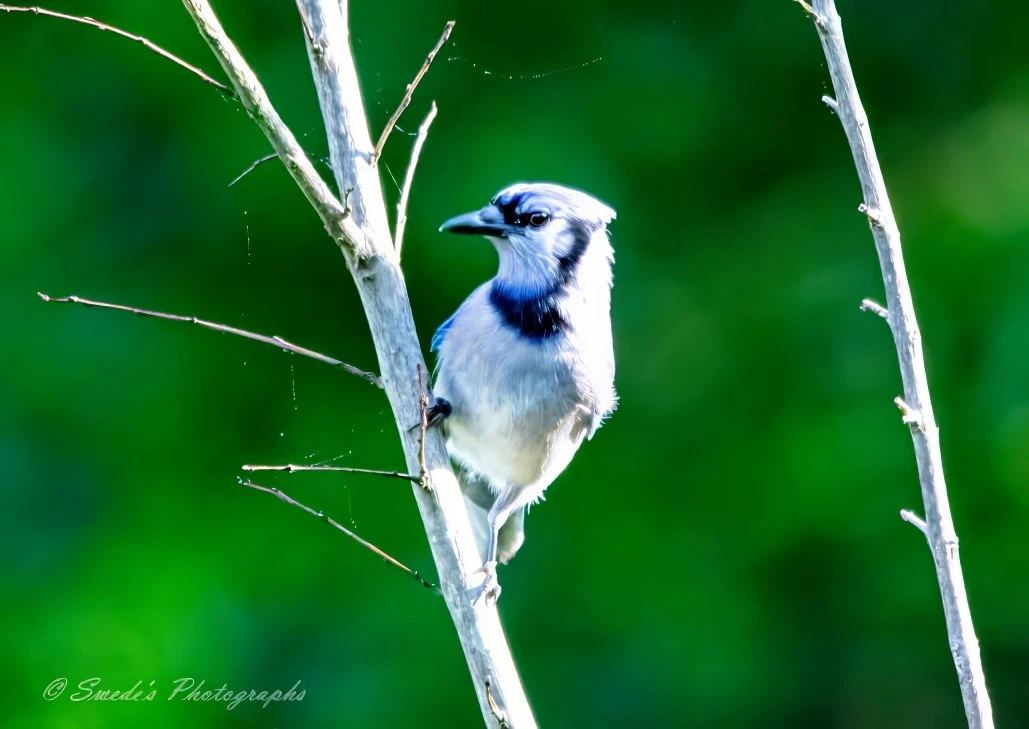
(830, 102)
(915, 405)
(423, 424)
(259, 106)
(124, 34)
(253, 166)
(274, 341)
(911, 518)
(336, 525)
(409, 91)
(875, 308)
(346, 128)
(373, 262)
(405, 192)
(268, 158)
(291, 468)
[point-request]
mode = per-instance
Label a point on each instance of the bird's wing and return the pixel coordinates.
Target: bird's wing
(441, 333)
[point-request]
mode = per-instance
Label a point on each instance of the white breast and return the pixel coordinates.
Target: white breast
(521, 408)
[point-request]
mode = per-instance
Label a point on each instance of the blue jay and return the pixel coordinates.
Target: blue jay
(525, 366)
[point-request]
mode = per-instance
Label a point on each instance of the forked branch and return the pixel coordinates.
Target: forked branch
(409, 91)
(255, 100)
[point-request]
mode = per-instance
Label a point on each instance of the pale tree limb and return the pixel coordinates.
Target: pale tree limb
(915, 405)
(405, 191)
(292, 468)
(332, 212)
(274, 341)
(346, 126)
(124, 34)
(336, 525)
(362, 231)
(409, 91)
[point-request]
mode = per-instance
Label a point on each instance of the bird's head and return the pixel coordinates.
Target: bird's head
(541, 231)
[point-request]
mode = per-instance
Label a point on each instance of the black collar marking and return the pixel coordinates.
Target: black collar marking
(537, 314)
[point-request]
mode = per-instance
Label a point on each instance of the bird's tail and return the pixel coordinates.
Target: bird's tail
(478, 499)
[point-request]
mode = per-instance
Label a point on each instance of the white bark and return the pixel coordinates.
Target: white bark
(916, 406)
(359, 225)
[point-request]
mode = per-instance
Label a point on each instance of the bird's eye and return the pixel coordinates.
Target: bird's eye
(538, 220)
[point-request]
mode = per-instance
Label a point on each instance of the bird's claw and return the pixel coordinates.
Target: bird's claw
(439, 411)
(489, 590)
(436, 413)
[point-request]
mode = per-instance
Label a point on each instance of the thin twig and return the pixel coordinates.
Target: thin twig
(830, 102)
(253, 166)
(291, 468)
(336, 525)
(875, 308)
(311, 40)
(405, 193)
(916, 405)
(911, 518)
(409, 91)
(423, 424)
(274, 341)
(124, 34)
(268, 158)
(500, 714)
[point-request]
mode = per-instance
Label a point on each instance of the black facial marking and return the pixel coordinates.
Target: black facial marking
(537, 314)
(581, 231)
(519, 209)
(508, 207)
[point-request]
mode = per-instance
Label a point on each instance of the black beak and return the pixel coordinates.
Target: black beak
(489, 222)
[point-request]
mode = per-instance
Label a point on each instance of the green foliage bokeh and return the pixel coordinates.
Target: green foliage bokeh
(726, 553)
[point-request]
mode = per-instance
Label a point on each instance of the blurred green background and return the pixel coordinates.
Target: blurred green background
(726, 553)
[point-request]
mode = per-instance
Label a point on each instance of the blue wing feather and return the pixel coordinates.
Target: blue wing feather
(441, 334)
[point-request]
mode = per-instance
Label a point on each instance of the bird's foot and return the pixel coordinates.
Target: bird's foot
(439, 411)
(435, 414)
(489, 590)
